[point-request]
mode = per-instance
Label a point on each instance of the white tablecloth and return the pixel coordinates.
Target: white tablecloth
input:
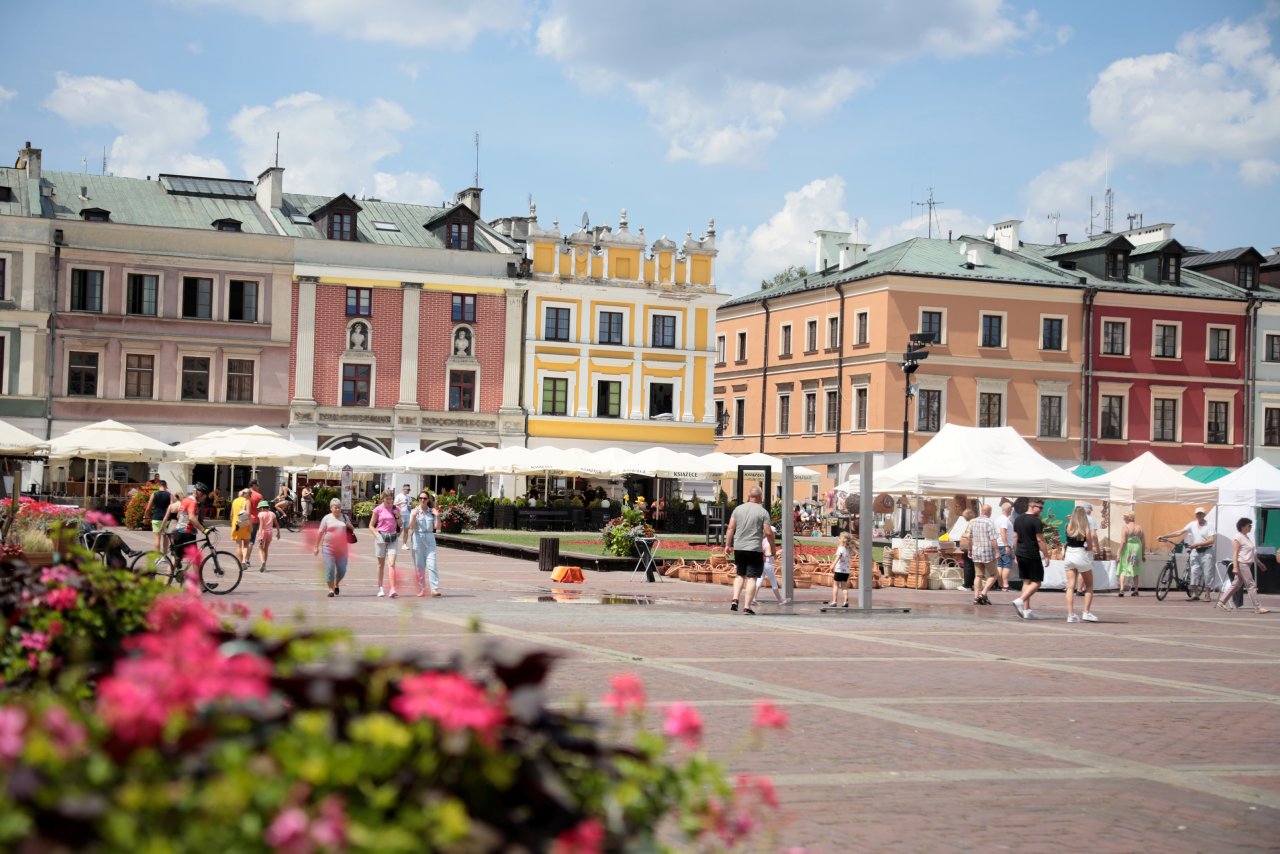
(1104, 575)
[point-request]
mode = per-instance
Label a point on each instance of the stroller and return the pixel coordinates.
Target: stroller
(106, 546)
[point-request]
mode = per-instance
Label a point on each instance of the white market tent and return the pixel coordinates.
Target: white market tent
(980, 461)
(20, 443)
(1148, 480)
(1240, 494)
(436, 462)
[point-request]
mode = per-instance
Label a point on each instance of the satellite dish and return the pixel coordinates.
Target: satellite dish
(964, 249)
(586, 221)
(991, 232)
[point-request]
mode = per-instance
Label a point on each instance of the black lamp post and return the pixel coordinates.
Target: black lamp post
(917, 352)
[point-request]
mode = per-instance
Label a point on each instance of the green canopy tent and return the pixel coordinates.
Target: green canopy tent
(1088, 471)
(1207, 474)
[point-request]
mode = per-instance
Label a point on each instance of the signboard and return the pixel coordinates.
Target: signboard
(347, 492)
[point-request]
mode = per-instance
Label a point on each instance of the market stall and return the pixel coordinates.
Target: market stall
(1248, 493)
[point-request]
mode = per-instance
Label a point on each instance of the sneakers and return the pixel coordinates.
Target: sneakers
(748, 612)
(785, 601)
(1263, 611)
(1121, 594)
(1221, 604)
(394, 594)
(1088, 617)
(1022, 609)
(733, 606)
(967, 589)
(1028, 614)
(332, 594)
(381, 593)
(1073, 618)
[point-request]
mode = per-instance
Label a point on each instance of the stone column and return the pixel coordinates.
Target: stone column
(304, 374)
(513, 352)
(411, 300)
(26, 351)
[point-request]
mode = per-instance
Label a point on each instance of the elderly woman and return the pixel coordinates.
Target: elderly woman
(332, 538)
(384, 525)
(1244, 556)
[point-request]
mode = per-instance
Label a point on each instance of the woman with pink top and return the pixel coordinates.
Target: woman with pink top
(384, 524)
(1244, 556)
(266, 532)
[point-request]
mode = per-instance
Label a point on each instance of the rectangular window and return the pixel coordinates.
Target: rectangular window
(611, 330)
(1272, 350)
(240, 380)
(555, 396)
(356, 380)
(739, 416)
(144, 290)
(86, 290)
(197, 297)
(989, 409)
(1051, 416)
(243, 301)
(1220, 344)
(195, 378)
(1051, 333)
(833, 332)
(1248, 276)
(742, 347)
(860, 396)
(464, 308)
(82, 374)
(1111, 424)
(1164, 427)
(1113, 338)
(664, 331)
(462, 391)
(810, 336)
(608, 399)
(1170, 267)
(459, 235)
(862, 325)
(139, 375)
(342, 226)
(931, 322)
(359, 302)
(833, 412)
(1271, 427)
(929, 413)
(992, 330)
(4, 275)
(661, 399)
(784, 414)
(784, 348)
(556, 325)
(722, 418)
(1217, 426)
(1116, 264)
(1166, 341)
(810, 412)
(720, 349)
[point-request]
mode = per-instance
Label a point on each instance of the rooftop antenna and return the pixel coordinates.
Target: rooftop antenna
(104, 160)
(1055, 218)
(1108, 201)
(85, 162)
(1134, 217)
(277, 149)
(477, 181)
(931, 204)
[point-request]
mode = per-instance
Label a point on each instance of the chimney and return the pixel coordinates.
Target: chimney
(1006, 234)
(29, 159)
(852, 254)
(1062, 239)
(471, 198)
(270, 188)
(828, 248)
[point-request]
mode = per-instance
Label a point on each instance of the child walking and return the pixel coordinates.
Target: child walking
(266, 532)
(840, 571)
(771, 575)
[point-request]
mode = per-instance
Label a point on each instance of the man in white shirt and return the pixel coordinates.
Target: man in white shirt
(1004, 528)
(404, 506)
(1198, 537)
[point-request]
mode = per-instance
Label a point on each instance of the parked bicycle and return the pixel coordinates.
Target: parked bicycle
(219, 570)
(1171, 577)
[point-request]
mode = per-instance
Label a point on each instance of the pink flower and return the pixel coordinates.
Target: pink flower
(68, 735)
(750, 788)
(769, 716)
(587, 837)
(33, 661)
(684, 722)
(55, 628)
(329, 829)
(627, 693)
(192, 554)
(452, 701)
(38, 641)
(13, 723)
(288, 832)
(293, 832)
(61, 598)
(94, 517)
(58, 575)
(267, 615)
(240, 609)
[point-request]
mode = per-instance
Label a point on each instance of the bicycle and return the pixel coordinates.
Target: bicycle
(219, 570)
(1171, 578)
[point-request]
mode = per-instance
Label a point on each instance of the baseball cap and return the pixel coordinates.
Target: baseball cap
(200, 487)
(1200, 511)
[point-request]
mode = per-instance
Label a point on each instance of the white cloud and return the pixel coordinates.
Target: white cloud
(721, 86)
(1064, 189)
(411, 23)
(158, 130)
(1216, 97)
(7, 95)
(327, 145)
(412, 187)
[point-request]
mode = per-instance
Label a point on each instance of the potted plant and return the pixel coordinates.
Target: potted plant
(362, 510)
(620, 534)
(504, 514)
(483, 505)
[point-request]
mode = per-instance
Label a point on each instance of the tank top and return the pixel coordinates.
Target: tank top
(1075, 543)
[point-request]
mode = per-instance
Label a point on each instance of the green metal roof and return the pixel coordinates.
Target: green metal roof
(1206, 474)
(1088, 246)
(409, 223)
(1088, 471)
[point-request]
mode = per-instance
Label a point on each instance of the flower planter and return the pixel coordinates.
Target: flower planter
(504, 517)
(451, 528)
(39, 560)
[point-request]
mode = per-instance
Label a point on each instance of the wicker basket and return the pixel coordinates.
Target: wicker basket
(701, 576)
(899, 581)
(917, 582)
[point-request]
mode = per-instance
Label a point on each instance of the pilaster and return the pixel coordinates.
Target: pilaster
(411, 295)
(304, 373)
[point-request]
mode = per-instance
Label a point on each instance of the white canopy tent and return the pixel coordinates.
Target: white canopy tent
(251, 446)
(979, 461)
(436, 462)
(1148, 480)
(1240, 494)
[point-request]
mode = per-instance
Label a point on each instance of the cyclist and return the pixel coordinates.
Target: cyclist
(1198, 537)
(282, 505)
(189, 513)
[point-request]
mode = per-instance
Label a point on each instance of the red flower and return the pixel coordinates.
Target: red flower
(684, 722)
(67, 735)
(587, 837)
(61, 598)
(769, 716)
(452, 701)
(627, 693)
(750, 788)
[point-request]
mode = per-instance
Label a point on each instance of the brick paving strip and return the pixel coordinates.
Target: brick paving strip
(949, 728)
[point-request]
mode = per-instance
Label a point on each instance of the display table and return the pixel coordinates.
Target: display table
(1104, 575)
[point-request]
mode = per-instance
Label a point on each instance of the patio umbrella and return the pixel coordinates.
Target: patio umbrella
(361, 460)
(614, 462)
(664, 462)
(20, 443)
(111, 440)
(255, 446)
(552, 460)
(436, 462)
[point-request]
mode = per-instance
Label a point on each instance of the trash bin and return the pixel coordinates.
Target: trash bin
(548, 553)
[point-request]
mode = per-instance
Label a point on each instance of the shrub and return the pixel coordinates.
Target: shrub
(478, 501)
(322, 495)
(362, 509)
(135, 517)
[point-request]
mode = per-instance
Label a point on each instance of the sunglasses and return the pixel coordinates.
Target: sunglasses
(422, 497)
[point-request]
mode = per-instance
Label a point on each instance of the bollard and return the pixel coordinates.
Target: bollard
(548, 553)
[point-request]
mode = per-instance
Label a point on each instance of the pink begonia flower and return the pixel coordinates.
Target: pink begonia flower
(33, 661)
(452, 701)
(58, 575)
(684, 722)
(752, 787)
(39, 641)
(55, 628)
(288, 832)
(769, 716)
(240, 609)
(627, 693)
(267, 615)
(586, 837)
(13, 723)
(61, 598)
(329, 829)
(67, 734)
(95, 517)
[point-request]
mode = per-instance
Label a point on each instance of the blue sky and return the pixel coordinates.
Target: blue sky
(775, 119)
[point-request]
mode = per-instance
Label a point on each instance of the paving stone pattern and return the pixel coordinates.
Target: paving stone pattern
(949, 728)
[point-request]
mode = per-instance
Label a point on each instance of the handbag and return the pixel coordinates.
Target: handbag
(242, 518)
(351, 536)
(965, 542)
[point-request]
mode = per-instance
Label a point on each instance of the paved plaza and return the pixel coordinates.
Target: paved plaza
(948, 728)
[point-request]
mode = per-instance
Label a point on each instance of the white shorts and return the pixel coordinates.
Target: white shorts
(1078, 558)
(382, 548)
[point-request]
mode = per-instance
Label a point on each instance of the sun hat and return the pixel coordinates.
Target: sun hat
(263, 504)
(1200, 511)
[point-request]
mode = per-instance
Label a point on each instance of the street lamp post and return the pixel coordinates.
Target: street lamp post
(917, 352)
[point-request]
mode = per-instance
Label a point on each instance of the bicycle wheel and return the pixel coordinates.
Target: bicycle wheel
(157, 565)
(220, 572)
(1165, 582)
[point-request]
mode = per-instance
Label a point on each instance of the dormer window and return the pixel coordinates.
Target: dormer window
(459, 235)
(1248, 276)
(342, 226)
(337, 218)
(1170, 269)
(227, 224)
(95, 215)
(1117, 265)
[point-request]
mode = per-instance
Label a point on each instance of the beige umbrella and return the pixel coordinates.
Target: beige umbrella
(20, 443)
(111, 440)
